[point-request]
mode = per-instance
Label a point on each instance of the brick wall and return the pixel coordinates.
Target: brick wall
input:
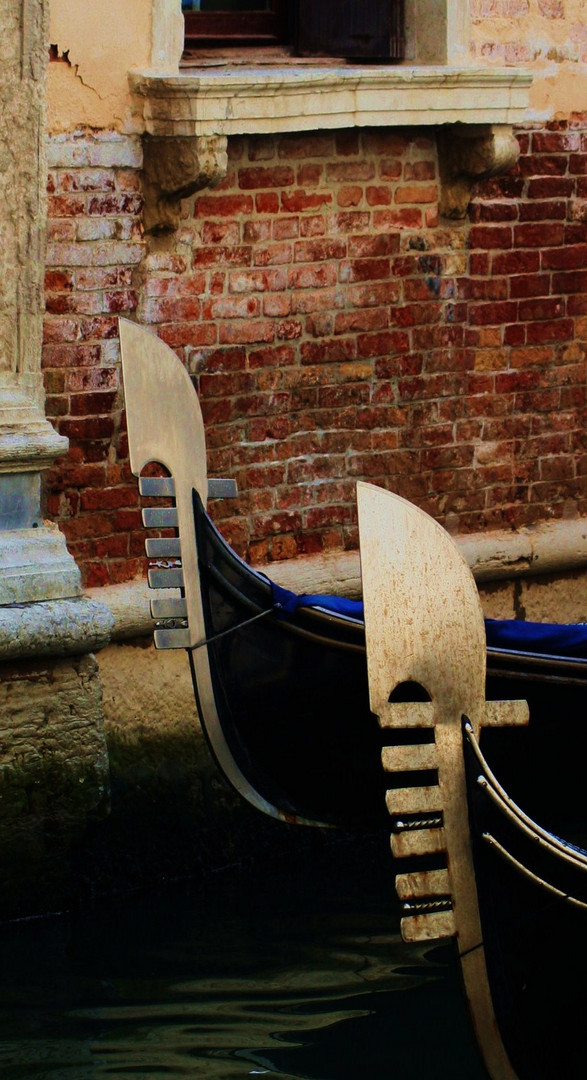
(336, 330)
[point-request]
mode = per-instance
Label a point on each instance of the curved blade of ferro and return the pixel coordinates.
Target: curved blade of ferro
(424, 625)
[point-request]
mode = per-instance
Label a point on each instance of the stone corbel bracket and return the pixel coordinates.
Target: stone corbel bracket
(467, 154)
(175, 167)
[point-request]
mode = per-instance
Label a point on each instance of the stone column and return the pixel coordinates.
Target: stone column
(53, 759)
(34, 563)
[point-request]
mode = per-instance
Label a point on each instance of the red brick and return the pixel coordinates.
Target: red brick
(65, 206)
(555, 142)
(373, 246)
(543, 165)
(493, 211)
(314, 225)
(312, 277)
(485, 314)
(574, 281)
(267, 202)
(308, 302)
(246, 330)
(229, 307)
(391, 169)
(416, 194)
(351, 221)
(408, 217)
(514, 335)
(349, 196)
(59, 280)
(257, 280)
(109, 498)
(271, 177)
(224, 256)
(374, 293)
(309, 175)
(221, 232)
(381, 344)
(565, 258)
(529, 285)
(328, 351)
(287, 228)
(276, 304)
(543, 308)
(420, 170)
(297, 201)
(490, 237)
(350, 170)
(515, 262)
(544, 210)
(550, 331)
(272, 254)
(550, 187)
(209, 206)
(89, 404)
(171, 310)
(289, 329)
(363, 270)
(378, 196)
(308, 145)
(474, 288)
(319, 250)
(578, 164)
(367, 319)
(115, 204)
(543, 235)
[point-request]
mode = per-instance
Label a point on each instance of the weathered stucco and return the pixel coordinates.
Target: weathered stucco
(89, 87)
(96, 45)
(548, 37)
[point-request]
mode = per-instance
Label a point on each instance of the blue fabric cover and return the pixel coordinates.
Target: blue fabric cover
(338, 605)
(552, 639)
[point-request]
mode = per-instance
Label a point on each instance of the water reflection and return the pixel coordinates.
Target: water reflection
(303, 975)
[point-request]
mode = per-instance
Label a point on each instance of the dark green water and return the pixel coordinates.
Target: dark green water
(296, 972)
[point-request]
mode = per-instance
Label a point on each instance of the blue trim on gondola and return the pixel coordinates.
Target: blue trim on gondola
(337, 605)
(552, 639)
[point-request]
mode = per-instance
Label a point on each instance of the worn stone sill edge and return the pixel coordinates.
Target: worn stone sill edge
(228, 101)
(551, 548)
(299, 79)
(61, 627)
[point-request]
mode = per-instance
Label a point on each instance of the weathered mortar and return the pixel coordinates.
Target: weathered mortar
(336, 330)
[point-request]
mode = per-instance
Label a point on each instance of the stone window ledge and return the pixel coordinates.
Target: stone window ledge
(187, 118)
(263, 100)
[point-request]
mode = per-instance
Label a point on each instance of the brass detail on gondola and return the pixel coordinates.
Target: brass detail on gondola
(166, 578)
(162, 547)
(424, 625)
(409, 758)
(160, 517)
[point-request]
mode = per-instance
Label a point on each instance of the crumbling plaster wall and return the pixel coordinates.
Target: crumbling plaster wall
(548, 37)
(100, 43)
(96, 46)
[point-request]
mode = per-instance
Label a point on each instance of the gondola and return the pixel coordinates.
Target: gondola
(280, 680)
(486, 798)
(406, 709)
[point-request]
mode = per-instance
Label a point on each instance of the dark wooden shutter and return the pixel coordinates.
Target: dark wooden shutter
(235, 21)
(353, 29)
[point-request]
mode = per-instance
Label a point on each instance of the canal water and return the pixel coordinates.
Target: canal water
(294, 971)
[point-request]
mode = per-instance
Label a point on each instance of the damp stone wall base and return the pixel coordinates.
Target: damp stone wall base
(54, 778)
